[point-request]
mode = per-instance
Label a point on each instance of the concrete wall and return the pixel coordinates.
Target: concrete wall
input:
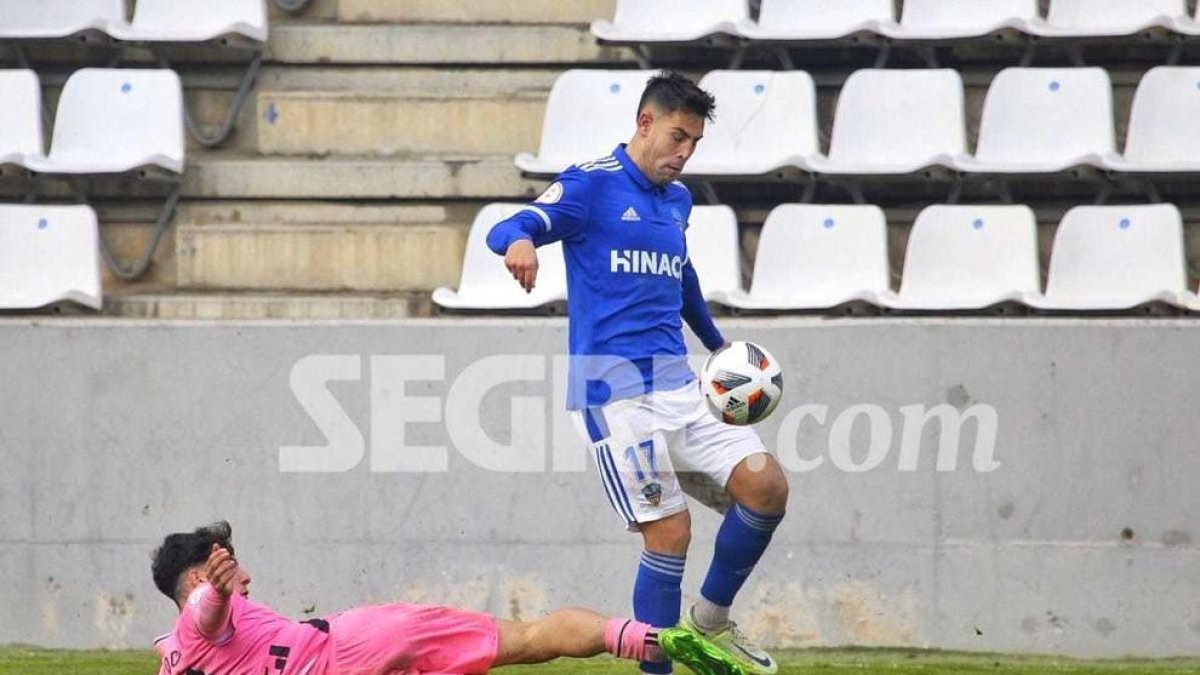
(1065, 523)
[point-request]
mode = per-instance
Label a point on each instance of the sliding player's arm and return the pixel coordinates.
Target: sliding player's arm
(559, 214)
(211, 609)
(695, 311)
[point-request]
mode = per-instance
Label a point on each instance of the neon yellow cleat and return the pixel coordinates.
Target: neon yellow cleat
(690, 648)
(752, 658)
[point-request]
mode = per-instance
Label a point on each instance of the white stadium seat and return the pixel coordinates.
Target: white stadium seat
(969, 257)
(648, 21)
(715, 251)
(50, 19)
(787, 20)
(1044, 120)
(487, 284)
(766, 120)
(175, 21)
(1164, 126)
(48, 254)
(113, 121)
(1116, 257)
(1103, 18)
(812, 256)
(958, 19)
(588, 113)
(20, 117)
(896, 122)
(1188, 25)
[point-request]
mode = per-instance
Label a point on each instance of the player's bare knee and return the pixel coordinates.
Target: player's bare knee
(671, 535)
(760, 484)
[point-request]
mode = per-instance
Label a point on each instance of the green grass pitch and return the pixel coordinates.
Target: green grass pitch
(29, 661)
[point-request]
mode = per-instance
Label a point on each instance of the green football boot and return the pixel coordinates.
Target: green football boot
(690, 648)
(732, 641)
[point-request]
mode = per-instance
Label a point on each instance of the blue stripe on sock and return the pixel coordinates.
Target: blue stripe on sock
(668, 562)
(662, 570)
(755, 520)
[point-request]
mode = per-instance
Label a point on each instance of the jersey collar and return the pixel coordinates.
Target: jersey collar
(632, 169)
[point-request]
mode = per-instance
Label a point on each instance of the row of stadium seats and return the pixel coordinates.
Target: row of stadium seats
(890, 122)
(108, 121)
(683, 21)
(153, 20)
(814, 257)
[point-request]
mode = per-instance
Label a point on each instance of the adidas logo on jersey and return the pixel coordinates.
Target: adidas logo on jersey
(630, 215)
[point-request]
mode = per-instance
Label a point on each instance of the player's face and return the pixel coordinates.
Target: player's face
(671, 140)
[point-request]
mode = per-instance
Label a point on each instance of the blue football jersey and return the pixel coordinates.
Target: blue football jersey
(629, 280)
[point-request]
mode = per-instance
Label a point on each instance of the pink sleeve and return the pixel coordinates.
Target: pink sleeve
(212, 614)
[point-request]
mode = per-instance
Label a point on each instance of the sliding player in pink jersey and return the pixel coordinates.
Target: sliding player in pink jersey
(221, 632)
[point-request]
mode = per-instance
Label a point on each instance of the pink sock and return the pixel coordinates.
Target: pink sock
(629, 639)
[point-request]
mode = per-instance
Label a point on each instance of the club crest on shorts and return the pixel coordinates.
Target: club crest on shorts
(653, 493)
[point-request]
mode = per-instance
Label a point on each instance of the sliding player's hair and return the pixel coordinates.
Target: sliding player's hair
(182, 551)
(671, 91)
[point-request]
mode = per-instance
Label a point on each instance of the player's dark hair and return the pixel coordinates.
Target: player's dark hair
(182, 551)
(671, 91)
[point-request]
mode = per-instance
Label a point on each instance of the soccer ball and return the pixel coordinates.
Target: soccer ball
(742, 383)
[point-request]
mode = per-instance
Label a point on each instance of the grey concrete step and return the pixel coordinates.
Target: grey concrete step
(580, 12)
(190, 305)
(317, 257)
(338, 123)
(439, 44)
(227, 175)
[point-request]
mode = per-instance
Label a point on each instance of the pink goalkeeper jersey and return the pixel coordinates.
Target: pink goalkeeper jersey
(256, 640)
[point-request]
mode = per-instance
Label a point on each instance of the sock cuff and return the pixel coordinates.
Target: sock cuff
(757, 521)
(664, 564)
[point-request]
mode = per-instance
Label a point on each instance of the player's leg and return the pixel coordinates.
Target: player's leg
(633, 461)
(759, 490)
(733, 461)
(576, 632)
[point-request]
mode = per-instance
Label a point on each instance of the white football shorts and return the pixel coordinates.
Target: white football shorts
(652, 449)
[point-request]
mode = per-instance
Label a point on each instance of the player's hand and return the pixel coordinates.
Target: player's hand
(521, 260)
(221, 570)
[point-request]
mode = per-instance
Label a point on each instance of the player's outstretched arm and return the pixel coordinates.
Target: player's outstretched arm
(212, 609)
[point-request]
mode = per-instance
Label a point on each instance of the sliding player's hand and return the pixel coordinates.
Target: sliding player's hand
(221, 570)
(521, 260)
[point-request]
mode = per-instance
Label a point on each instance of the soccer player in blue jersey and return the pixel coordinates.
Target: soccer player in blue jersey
(621, 219)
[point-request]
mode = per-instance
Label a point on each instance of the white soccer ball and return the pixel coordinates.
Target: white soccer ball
(742, 383)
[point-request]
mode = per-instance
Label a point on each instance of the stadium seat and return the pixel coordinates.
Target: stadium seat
(48, 254)
(896, 122)
(670, 21)
(1164, 126)
(588, 113)
(715, 251)
(969, 257)
(812, 256)
(20, 117)
(174, 21)
(53, 19)
(1104, 18)
(788, 20)
(486, 283)
(1116, 257)
(767, 120)
(1187, 25)
(958, 19)
(114, 121)
(1044, 120)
